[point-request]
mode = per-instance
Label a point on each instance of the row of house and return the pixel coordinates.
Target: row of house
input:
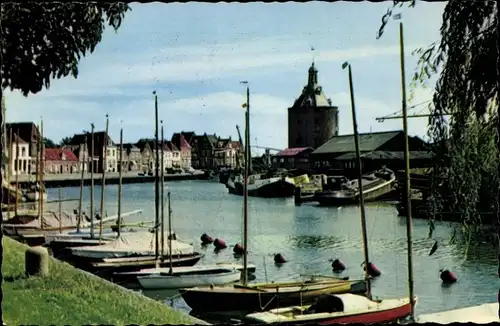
(185, 150)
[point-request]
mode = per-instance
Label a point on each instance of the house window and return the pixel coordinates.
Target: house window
(23, 151)
(108, 152)
(282, 160)
(316, 121)
(290, 160)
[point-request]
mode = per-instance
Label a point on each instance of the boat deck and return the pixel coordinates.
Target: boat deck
(481, 314)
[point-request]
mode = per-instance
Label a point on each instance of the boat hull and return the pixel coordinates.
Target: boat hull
(165, 281)
(254, 300)
(35, 196)
(390, 314)
(280, 188)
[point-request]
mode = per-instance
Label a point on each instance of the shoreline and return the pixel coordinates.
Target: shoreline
(112, 178)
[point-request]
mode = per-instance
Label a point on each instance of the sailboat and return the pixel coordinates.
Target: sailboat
(182, 276)
(259, 185)
(344, 308)
(258, 297)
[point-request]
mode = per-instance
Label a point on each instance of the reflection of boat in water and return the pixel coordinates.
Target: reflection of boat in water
(373, 185)
(337, 309)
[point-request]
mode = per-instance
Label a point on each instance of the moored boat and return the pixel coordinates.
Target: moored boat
(130, 245)
(373, 185)
(337, 309)
(186, 277)
(259, 297)
(263, 186)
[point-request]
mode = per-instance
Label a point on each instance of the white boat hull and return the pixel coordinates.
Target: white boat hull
(182, 280)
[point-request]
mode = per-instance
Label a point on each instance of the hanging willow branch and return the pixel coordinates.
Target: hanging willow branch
(466, 173)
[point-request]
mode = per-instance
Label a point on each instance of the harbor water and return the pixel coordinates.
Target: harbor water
(309, 237)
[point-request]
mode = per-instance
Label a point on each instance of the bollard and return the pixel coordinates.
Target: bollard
(37, 262)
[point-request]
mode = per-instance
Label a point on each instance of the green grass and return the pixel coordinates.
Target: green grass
(69, 297)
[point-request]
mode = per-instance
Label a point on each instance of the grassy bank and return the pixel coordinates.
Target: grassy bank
(70, 297)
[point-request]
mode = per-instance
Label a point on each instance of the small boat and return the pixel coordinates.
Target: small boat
(259, 297)
(260, 185)
(337, 309)
(130, 245)
(374, 185)
(187, 277)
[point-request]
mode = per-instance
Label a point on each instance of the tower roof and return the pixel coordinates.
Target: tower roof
(312, 93)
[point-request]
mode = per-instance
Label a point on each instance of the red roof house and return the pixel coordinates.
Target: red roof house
(293, 158)
(58, 160)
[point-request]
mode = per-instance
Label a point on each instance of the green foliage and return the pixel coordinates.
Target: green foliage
(48, 143)
(44, 40)
(65, 141)
(467, 147)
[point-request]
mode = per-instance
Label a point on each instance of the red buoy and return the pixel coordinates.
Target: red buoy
(338, 266)
(206, 239)
(219, 244)
(279, 259)
(238, 249)
(372, 270)
(447, 277)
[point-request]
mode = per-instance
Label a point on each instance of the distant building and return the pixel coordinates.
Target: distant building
(312, 119)
(146, 147)
(134, 157)
(19, 163)
(176, 154)
(377, 149)
(96, 153)
(58, 160)
(182, 142)
(28, 131)
(293, 158)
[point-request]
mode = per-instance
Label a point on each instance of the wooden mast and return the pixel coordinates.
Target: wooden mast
(82, 167)
(360, 173)
(120, 185)
(103, 182)
(170, 270)
(245, 186)
(92, 151)
(17, 174)
(41, 190)
(157, 194)
(407, 174)
(9, 173)
(162, 212)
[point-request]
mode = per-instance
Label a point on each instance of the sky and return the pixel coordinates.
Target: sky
(195, 55)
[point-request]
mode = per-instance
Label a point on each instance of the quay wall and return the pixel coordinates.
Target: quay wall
(112, 178)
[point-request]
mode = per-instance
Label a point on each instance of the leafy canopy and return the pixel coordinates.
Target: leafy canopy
(44, 40)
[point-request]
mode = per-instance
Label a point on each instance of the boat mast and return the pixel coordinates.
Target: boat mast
(9, 173)
(407, 172)
(103, 182)
(41, 191)
(92, 180)
(17, 175)
(360, 173)
(157, 194)
(162, 195)
(120, 185)
(245, 186)
(82, 167)
(170, 270)
(37, 175)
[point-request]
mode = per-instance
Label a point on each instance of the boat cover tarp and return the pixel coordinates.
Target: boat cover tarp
(139, 243)
(50, 220)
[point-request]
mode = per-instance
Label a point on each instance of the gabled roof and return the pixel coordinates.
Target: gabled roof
(183, 144)
(293, 151)
(16, 139)
(28, 131)
(55, 154)
(189, 136)
(130, 147)
(235, 144)
(368, 142)
(385, 155)
(223, 142)
(172, 146)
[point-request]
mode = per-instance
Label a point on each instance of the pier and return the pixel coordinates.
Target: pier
(74, 180)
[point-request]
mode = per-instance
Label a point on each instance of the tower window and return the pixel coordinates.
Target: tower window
(299, 121)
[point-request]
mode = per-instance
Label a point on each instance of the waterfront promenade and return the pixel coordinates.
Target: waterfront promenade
(112, 178)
